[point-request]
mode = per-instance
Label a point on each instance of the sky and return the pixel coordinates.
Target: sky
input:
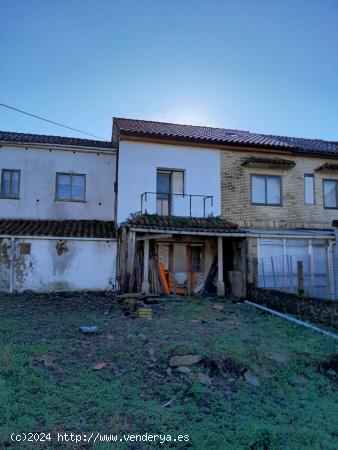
(267, 66)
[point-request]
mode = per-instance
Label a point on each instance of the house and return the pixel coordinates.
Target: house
(57, 210)
(273, 198)
(228, 209)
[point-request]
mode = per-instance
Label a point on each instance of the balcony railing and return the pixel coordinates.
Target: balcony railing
(165, 204)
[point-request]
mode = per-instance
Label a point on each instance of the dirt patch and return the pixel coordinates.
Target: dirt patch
(224, 366)
(329, 367)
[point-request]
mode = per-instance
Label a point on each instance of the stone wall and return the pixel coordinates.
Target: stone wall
(324, 312)
(293, 213)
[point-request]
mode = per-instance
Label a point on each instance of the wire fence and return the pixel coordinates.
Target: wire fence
(315, 277)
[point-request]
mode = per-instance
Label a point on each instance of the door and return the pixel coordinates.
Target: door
(163, 190)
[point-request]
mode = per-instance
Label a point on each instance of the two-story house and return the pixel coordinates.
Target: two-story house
(252, 205)
(225, 207)
(57, 209)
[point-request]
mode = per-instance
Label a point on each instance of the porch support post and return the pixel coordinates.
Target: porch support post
(220, 281)
(145, 283)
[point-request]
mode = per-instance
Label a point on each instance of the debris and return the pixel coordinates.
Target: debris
(183, 369)
(184, 360)
(167, 403)
(145, 313)
(278, 358)
(218, 306)
(48, 361)
(169, 371)
(139, 304)
(89, 330)
(224, 366)
(110, 337)
(251, 379)
(203, 379)
(100, 366)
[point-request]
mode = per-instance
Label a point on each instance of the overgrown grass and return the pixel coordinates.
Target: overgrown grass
(47, 381)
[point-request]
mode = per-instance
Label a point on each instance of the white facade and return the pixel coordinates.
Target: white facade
(57, 265)
(38, 167)
(137, 169)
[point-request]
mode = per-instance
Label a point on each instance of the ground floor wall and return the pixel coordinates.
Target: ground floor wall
(45, 265)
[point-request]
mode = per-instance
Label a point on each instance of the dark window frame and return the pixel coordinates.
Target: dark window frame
(330, 207)
(170, 194)
(266, 176)
(11, 171)
(70, 174)
(310, 175)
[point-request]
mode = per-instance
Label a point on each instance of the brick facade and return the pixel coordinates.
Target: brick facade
(294, 213)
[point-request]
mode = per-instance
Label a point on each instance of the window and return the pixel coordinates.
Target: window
(197, 258)
(170, 183)
(70, 187)
(330, 193)
(10, 183)
(309, 191)
(265, 190)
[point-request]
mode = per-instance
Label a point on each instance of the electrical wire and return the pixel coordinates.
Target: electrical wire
(50, 121)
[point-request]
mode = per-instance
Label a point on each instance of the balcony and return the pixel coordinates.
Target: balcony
(187, 205)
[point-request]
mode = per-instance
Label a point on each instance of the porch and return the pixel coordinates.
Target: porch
(156, 251)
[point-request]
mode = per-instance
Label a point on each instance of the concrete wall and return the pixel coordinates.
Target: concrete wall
(138, 163)
(294, 213)
(58, 265)
(38, 168)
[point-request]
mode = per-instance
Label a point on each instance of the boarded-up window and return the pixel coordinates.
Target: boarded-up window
(25, 249)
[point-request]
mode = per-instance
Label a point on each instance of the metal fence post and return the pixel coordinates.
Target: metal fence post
(300, 277)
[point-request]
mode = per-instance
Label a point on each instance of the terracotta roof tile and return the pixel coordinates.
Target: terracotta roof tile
(58, 228)
(26, 138)
(182, 223)
(222, 136)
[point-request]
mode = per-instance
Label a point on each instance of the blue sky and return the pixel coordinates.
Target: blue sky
(268, 66)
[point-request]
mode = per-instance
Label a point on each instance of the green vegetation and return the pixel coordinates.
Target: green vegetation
(48, 382)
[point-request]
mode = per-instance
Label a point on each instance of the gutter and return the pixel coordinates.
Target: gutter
(84, 149)
(193, 233)
(57, 238)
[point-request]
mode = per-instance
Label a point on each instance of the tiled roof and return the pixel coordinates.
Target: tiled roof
(222, 136)
(26, 138)
(268, 162)
(58, 228)
(216, 224)
(327, 168)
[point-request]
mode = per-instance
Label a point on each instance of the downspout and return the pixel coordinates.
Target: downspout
(11, 265)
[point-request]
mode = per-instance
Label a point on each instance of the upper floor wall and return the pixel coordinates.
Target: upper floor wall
(294, 210)
(54, 183)
(158, 178)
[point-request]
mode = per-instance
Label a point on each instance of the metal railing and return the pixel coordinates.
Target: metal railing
(164, 196)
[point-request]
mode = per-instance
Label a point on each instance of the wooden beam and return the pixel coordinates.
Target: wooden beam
(148, 237)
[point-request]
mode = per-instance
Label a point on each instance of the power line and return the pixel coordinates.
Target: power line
(50, 121)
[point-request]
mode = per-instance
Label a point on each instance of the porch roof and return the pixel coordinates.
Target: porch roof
(97, 229)
(187, 225)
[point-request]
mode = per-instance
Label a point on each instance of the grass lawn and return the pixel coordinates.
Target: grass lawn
(48, 382)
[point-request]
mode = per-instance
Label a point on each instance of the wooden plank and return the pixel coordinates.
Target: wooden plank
(153, 236)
